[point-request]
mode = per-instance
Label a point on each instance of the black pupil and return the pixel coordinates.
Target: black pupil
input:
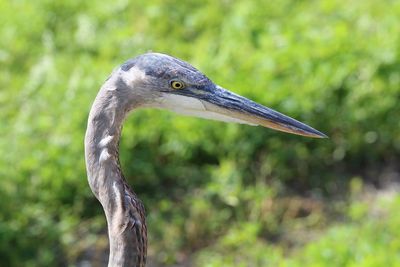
(177, 85)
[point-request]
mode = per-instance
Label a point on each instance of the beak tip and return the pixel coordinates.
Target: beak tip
(320, 135)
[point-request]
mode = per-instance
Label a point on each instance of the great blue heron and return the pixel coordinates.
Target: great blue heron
(157, 81)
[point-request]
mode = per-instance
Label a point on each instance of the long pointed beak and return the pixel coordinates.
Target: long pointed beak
(221, 104)
(232, 105)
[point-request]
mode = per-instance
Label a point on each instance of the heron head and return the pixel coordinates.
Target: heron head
(162, 81)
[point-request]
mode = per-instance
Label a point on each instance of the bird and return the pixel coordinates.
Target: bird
(155, 80)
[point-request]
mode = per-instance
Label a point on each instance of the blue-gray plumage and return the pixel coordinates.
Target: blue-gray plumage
(155, 81)
(166, 67)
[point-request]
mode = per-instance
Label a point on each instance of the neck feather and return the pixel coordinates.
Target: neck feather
(124, 211)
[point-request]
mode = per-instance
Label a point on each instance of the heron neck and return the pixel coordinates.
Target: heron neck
(123, 210)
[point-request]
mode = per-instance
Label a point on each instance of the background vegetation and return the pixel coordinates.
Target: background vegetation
(217, 194)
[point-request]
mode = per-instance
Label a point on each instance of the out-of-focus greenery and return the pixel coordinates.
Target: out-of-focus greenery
(217, 194)
(369, 239)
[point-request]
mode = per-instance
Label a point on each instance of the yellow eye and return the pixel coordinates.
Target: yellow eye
(177, 84)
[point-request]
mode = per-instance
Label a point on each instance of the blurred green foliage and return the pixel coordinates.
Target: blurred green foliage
(217, 194)
(367, 240)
